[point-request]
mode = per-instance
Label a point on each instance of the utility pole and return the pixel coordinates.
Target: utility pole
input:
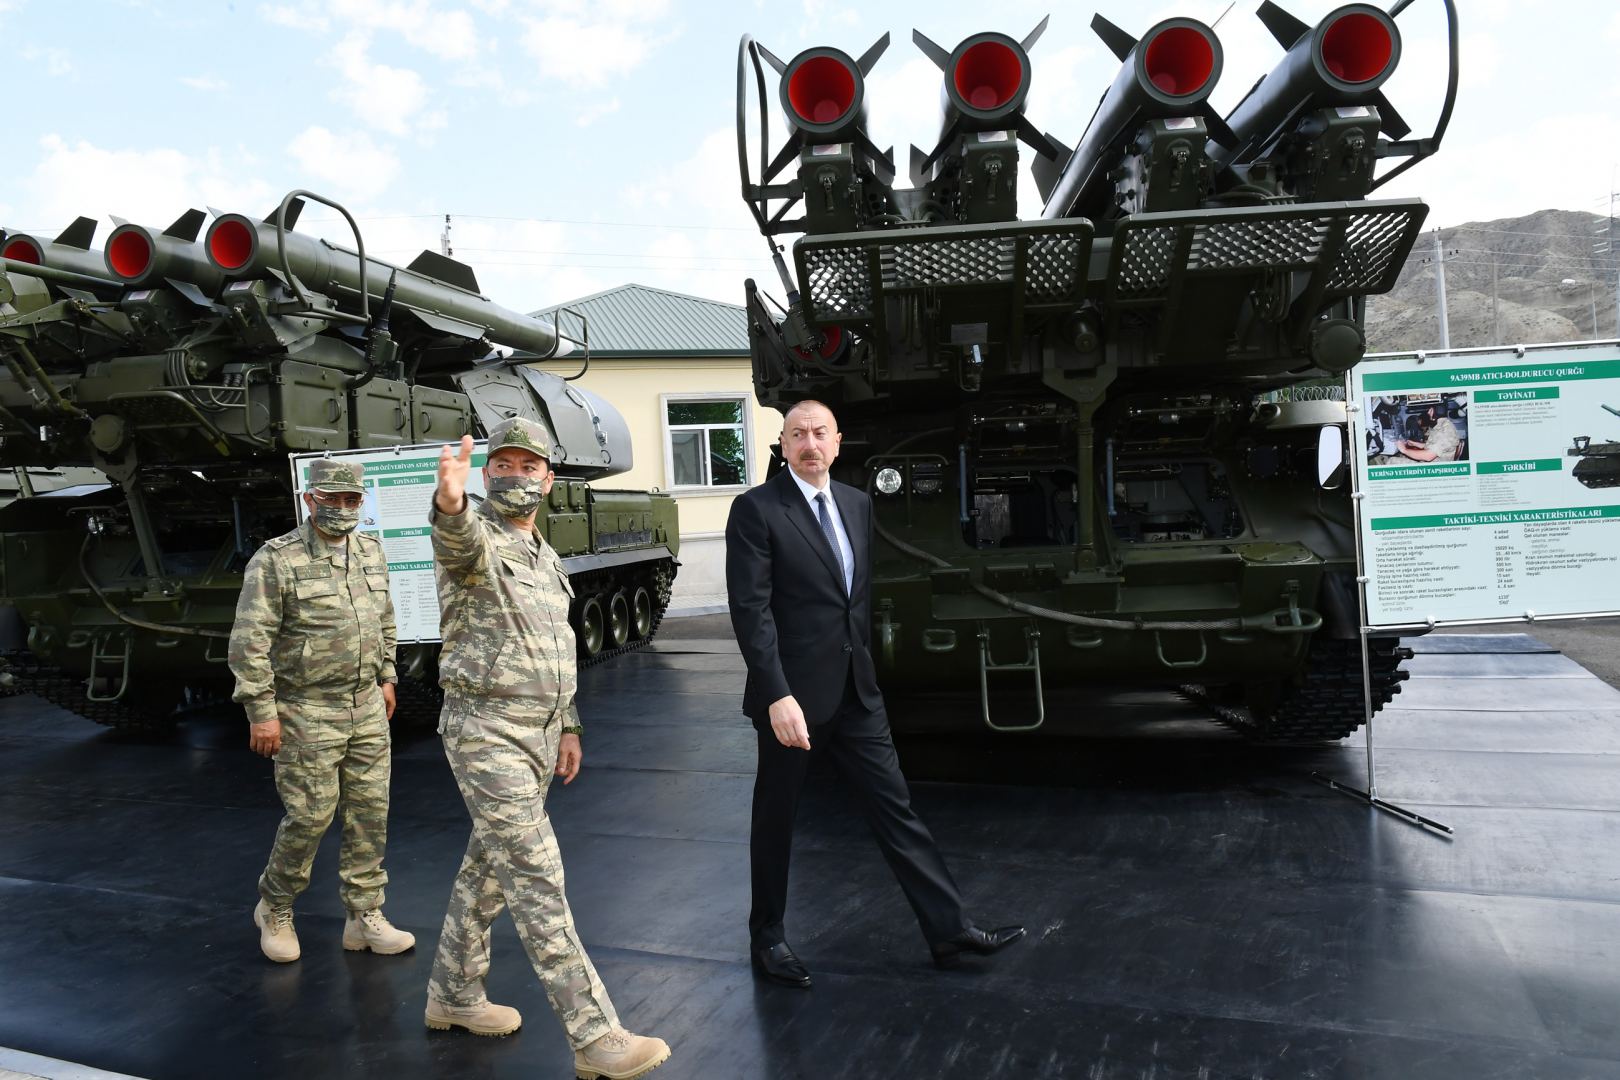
(1440, 292)
(444, 239)
(1496, 315)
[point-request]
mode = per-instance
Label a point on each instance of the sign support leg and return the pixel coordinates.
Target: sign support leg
(1370, 796)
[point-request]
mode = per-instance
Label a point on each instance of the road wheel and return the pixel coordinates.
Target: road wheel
(618, 620)
(641, 613)
(592, 626)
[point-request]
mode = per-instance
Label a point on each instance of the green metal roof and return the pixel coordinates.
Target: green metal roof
(635, 320)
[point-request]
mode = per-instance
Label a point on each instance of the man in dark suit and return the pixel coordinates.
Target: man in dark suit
(799, 576)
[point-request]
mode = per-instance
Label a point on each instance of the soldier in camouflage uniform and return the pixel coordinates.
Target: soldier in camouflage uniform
(313, 655)
(509, 724)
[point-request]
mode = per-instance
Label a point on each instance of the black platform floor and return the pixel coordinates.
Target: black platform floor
(1196, 908)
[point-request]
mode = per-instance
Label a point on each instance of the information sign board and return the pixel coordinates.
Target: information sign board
(399, 493)
(1487, 487)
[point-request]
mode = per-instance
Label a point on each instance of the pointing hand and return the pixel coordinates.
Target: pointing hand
(451, 495)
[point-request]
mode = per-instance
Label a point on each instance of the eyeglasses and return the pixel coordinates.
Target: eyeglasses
(347, 501)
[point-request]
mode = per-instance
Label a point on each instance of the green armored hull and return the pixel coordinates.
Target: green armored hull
(187, 368)
(1098, 443)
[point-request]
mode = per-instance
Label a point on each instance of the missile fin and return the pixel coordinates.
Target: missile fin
(443, 268)
(1393, 125)
(1118, 41)
(934, 52)
(1047, 170)
(293, 211)
(1217, 127)
(117, 221)
(771, 59)
(448, 325)
(1038, 140)
(919, 167)
(869, 58)
(1283, 26)
(79, 235)
(188, 226)
(882, 164)
(188, 290)
(1035, 35)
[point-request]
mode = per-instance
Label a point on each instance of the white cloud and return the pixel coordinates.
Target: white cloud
(57, 61)
(208, 84)
(588, 51)
(380, 95)
(296, 17)
(355, 166)
(449, 34)
(152, 186)
(595, 112)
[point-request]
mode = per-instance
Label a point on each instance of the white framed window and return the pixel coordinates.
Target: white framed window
(708, 441)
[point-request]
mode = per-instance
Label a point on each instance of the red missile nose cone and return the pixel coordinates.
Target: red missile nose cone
(230, 243)
(1357, 47)
(23, 251)
(989, 75)
(129, 253)
(822, 90)
(1179, 61)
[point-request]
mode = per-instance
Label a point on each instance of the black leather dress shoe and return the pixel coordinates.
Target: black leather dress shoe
(779, 965)
(976, 940)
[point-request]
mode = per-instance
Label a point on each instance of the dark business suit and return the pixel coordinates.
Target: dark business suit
(802, 634)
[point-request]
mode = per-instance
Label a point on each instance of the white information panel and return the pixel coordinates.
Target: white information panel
(1488, 483)
(399, 492)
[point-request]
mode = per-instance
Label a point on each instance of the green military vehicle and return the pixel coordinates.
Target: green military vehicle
(187, 365)
(1096, 438)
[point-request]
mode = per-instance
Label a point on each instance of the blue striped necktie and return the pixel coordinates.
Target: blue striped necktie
(832, 538)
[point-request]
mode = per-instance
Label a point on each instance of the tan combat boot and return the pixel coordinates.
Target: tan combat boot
(364, 930)
(619, 1055)
(276, 935)
(484, 1019)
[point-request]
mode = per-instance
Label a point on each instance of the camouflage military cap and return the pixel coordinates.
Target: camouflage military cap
(524, 434)
(330, 474)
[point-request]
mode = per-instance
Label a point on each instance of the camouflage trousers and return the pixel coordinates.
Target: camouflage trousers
(331, 758)
(502, 758)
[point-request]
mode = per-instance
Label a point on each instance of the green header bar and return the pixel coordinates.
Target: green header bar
(1539, 393)
(422, 531)
(417, 479)
(1490, 468)
(395, 567)
(1463, 378)
(1413, 472)
(1499, 517)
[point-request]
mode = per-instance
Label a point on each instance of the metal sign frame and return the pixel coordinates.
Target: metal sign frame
(1353, 408)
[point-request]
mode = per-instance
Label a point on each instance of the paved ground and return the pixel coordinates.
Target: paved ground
(1198, 908)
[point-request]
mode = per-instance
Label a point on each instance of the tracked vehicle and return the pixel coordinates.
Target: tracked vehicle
(1095, 437)
(186, 365)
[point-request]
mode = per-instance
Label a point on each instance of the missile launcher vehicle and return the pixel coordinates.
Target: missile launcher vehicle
(1599, 464)
(187, 365)
(1095, 437)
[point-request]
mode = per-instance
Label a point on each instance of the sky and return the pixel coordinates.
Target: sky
(578, 146)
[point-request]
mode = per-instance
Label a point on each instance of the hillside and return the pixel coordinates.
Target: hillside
(1546, 278)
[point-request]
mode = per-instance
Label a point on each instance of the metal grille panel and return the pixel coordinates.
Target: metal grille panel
(969, 261)
(1052, 266)
(1370, 245)
(1256, 245)
(838, 283)
(1144, 271)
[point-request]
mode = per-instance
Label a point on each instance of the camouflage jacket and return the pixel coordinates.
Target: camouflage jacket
(503, 613)
(310, 630)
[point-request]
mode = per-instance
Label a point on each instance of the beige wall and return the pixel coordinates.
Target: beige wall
(637, 388)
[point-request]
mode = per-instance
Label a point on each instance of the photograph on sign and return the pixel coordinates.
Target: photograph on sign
(1486, 482)
(399, 483)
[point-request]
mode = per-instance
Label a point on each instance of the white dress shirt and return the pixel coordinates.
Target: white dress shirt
(810, 492)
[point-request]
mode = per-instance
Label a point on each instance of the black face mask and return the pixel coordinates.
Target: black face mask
(516, 496)
(336, 520)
